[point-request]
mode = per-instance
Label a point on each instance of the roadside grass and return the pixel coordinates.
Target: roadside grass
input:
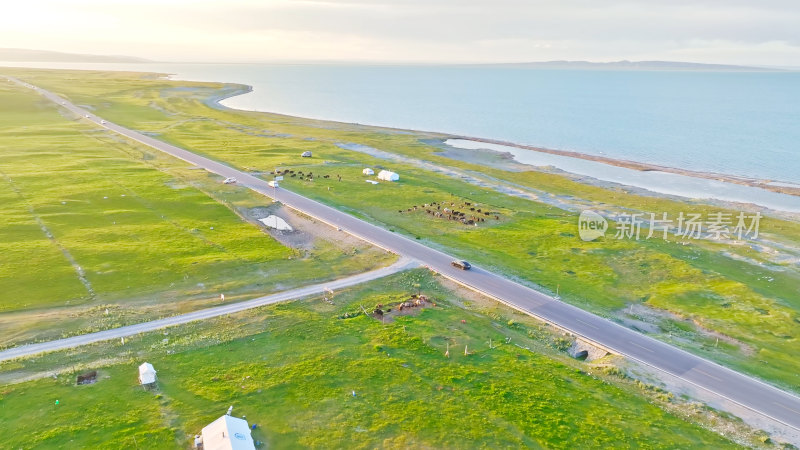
(91, 220)
(310, 378)
(532, 242)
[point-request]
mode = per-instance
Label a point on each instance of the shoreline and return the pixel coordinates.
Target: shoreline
(776, 186)
(230, 90)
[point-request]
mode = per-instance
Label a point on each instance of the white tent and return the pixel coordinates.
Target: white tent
(276, 223)
(368, 171)
(147, 374)
(386, 175)
(227, 433)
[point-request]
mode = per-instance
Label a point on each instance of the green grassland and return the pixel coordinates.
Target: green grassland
(752, 303)
(97, 232)
(292, 369)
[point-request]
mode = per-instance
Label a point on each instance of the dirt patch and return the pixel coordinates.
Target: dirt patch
(306, 230)
(23, 376)
(87, 378)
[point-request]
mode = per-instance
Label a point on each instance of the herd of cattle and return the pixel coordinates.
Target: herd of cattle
(471, 215)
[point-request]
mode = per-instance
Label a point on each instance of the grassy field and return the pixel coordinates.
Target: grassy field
(292, 369)
(96, 232)
(731, 303)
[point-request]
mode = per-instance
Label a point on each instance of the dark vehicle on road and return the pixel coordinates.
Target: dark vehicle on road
(463, 265)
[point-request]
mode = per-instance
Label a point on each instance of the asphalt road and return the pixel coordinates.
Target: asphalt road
(131, 330)
(758, 396)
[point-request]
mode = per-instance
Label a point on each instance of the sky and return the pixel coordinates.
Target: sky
(754, 32)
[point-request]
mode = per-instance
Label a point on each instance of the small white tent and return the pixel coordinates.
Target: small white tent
(227, 433)
(147, 374)
(368, 171)
(276, 223)
(386, 175)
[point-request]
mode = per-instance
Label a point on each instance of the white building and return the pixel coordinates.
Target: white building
(386, 175)
(147, 374)
(368, 171)
(227, 433)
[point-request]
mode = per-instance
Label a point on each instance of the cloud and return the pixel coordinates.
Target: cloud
(416, 30)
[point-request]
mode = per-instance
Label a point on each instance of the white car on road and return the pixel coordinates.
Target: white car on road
(229, 180)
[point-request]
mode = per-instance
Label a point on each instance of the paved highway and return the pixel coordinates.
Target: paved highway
(130, 330)
(760, 397)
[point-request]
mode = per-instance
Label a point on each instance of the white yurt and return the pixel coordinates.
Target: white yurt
(227, 433)
(368, 171)
(147, 374)
(386, 175)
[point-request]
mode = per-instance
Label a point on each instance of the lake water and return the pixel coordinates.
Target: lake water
(745, 124)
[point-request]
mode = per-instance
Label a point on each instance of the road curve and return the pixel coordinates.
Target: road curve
(748, 392)
(130, 330)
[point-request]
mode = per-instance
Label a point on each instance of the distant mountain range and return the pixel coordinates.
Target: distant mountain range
(26, 55)
(639, 65)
